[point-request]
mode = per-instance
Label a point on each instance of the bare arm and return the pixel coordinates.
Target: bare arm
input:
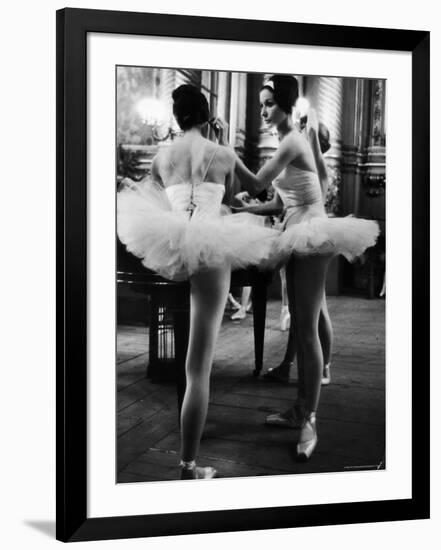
(229, 183)
(155, 171)
(289, 149)
(270, 208)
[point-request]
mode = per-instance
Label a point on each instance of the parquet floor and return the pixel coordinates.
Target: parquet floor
(351, 420)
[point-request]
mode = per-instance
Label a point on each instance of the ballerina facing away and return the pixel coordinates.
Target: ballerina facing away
(175, 223)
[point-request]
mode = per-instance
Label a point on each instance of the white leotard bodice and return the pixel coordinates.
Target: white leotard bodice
(301, 195)
(203, 197)
(297, 187)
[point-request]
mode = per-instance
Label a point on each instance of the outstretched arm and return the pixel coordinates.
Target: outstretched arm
(256, 183)
(229, 184)
(270, 208)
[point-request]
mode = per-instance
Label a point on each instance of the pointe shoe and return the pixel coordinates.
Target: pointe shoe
(189, 470)
(239, 315)
(292, 418)
(285, 319)
(278, 374)
(308, 438)
(326, 377)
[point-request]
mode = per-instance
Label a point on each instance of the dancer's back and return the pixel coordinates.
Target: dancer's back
(193, 159)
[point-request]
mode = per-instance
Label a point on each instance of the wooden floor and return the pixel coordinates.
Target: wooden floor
(351, 419)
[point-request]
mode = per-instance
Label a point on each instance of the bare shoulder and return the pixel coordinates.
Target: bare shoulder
(158, 159)
(160, 164)
(294, 140)
(226, 154)
(164, 156)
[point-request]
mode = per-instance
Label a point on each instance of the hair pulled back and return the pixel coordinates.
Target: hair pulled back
(190, 107)
(285, 89)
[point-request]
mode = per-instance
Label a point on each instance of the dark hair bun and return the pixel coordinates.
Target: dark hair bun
(190, 106)
(324, 137)
(285, 89)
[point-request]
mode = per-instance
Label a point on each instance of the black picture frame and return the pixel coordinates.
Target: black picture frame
(73, 25)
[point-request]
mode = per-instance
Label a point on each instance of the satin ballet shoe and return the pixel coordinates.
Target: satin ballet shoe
(278, 374)
(292, 418)
(239, 315)
(308, 438)
(326, 377)
(189, 470)
(285, 319)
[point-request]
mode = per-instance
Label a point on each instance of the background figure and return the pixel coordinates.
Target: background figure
(244, 306)
(174, 223)
(232, 303)
(285, 317)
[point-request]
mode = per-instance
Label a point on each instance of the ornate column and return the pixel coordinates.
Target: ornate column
(353, 143)
(371, 143)
(375, 160)
(364, 170)
(238, 110)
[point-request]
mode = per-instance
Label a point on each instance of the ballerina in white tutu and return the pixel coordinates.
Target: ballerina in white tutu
(176, 223)
(282, 371)
(308, 241)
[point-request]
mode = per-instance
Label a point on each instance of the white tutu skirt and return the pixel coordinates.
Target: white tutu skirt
(177, 245)
(308, 231)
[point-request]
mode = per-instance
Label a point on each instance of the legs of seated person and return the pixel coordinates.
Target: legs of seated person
(208, 293)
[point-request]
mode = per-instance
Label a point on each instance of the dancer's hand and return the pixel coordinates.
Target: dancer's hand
(238, 209)
(242, 199)
(221, 128)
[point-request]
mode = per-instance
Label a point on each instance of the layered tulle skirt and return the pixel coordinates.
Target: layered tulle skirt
(177, 244)
(307, 230)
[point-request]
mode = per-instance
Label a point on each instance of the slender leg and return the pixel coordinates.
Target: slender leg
(241, 313)
(208, 293)
(281, 372)
(326, 332)
(309, 277)
(181, 330)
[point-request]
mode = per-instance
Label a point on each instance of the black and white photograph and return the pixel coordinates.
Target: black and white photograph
(241, 337)
(217, 222)
(251, 274)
